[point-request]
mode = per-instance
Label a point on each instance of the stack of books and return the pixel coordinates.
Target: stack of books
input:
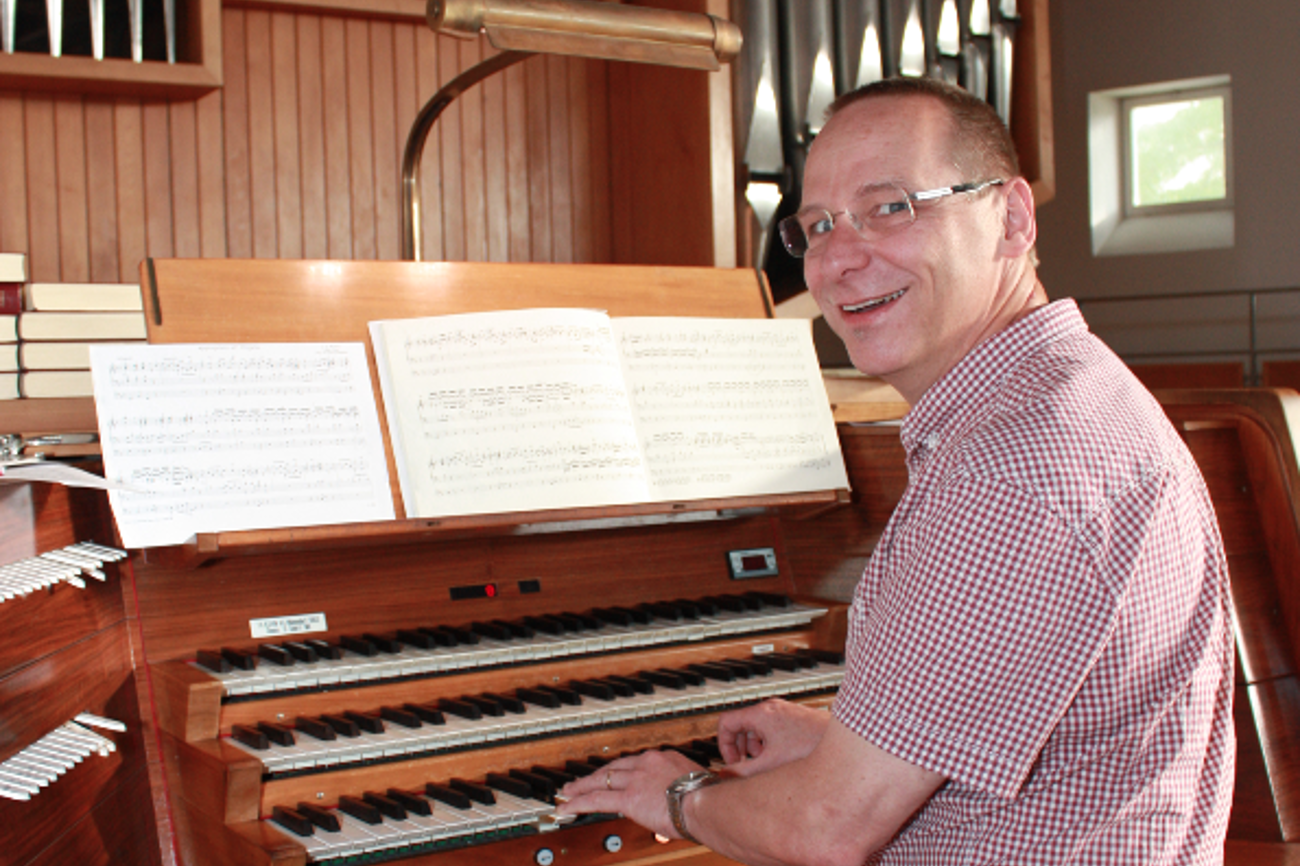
(53, 327)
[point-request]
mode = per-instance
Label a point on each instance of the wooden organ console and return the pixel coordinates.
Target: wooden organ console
(472, 664)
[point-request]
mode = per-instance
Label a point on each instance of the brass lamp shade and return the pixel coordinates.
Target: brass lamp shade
(584, 28)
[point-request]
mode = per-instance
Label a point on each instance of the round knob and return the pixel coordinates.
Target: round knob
(613, 843)
(544, 857)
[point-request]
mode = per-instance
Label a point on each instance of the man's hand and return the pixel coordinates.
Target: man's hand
(633, 786)
(764, 736)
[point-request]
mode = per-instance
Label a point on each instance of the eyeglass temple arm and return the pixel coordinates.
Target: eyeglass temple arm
(412, 233)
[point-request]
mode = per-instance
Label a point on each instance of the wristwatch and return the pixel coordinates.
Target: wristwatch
(677, 791)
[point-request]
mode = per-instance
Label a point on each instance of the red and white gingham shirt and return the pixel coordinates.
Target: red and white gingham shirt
(1046, 619)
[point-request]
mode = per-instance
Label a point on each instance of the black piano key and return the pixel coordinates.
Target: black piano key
(585, 622)
(579, 768)
(612, 616)
(517, 629)
(757, 664)
(399, 716)
(447, 796)
(322, 818)
(730, 603)
(636, 683)
(539, 698)
(368, 722)
(278, 734)
(439, 636)
(692, 678)
(360, 809)
(239, 659)
(292, 820)
(491, 630)
(358, 645)
(800, 661)
(667, 679)
(418, 639)
(507, 703)
(387, 806)
(566, 621)
(559, 777)
(566, 695)
(430, 715)
(620, 688)
(544, 625)
(712, 672)
(704, 606)
(514, 787)
(486, 705)
(708, 747)
(540, 787)
(829, 657)
(597, 761)
(317, 728)
(740, 669)
(251, 737)
(301, 651)
(275, 654)
(593, 689)
(341, 725)
(464, 709)
(662, 610)
(771, 599)
(213, 660)
(751, 600)
(410, 802)
(325, 650)
(782, 662)
(384, 644)
(476, 792)
(687, 608)
(462, 635)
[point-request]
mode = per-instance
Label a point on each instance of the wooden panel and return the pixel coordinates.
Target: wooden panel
(1282, 374)
(13, 177)
(261, 134)
(311, 138)
(239, 213)
(42, 191)
(101, 193)
(70, 166)
(288, 162)
(128, 154)
(1226, 374)
(183, 127)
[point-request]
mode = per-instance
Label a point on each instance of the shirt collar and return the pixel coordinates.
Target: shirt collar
(978, 375)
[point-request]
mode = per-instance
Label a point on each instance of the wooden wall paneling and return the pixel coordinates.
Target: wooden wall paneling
(598, 119)
(496, 209)
(361, 148)
(428, 70)
(311, 139)
(288, 153)
(387, 172)
(561, 170)
(184, 132)
(539, 158)
(261, 133)
(212, 194)
(70, 163)
(516, 153)
(154, 124)
(101, 192)
(338, 194)
(579, 156)
(13, 175)
(473, 164)
(128, 162)
(448, 131)
(407, 94)
(42, 189)
(234, 103)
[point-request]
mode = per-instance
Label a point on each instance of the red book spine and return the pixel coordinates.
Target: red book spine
(11, 298)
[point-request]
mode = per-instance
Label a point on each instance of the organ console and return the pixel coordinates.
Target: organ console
(430, 683)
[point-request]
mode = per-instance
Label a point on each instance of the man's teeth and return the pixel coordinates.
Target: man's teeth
(875, 302)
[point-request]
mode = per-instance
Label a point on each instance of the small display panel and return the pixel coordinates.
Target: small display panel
(756, 562)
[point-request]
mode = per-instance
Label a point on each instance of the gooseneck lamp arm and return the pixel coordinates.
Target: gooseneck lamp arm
(576, 28)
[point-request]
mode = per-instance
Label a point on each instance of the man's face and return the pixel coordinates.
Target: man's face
(935, 284)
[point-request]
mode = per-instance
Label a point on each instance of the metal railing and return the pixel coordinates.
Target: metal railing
(1252, 350)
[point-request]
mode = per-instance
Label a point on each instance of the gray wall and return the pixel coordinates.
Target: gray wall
(1102, 44)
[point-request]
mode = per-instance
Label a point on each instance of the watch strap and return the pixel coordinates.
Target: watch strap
(676, 793)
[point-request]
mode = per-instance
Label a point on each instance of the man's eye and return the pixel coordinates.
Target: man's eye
(818, 226)
(888, 209)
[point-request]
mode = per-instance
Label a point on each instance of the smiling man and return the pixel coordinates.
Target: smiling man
(1039, 659)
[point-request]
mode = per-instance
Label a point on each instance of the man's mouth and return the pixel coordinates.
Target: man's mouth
(874, 302)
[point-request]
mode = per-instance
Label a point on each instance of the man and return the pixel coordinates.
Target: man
(1039, 662)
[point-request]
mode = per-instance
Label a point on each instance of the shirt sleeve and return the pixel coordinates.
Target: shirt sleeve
(984, 617)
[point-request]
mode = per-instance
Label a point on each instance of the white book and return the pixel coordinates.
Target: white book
(8, 357)
(13, 267)
(64, 297)
(9, 386)
(81, 326)
(558, 408)
(55, 383)
(55, 355)
(227, 437)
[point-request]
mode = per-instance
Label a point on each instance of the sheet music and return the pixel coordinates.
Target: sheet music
(508, 411)
(238, 436)
(729, 407)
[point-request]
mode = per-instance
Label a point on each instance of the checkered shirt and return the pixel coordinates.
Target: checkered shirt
(1046, 619)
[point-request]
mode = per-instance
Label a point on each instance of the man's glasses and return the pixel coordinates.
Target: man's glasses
(876, 213)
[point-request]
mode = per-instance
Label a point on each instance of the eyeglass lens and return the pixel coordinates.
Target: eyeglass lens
(875, 213)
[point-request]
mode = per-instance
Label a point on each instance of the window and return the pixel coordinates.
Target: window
(1160, 160)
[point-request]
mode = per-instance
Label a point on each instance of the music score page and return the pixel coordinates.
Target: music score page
(227, 437)
(556, 408)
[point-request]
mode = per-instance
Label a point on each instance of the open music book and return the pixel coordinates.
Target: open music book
(556, 408)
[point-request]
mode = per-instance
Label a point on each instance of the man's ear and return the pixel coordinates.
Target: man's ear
(1020, 229)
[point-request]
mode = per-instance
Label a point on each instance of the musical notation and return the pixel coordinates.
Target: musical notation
(222, 437)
